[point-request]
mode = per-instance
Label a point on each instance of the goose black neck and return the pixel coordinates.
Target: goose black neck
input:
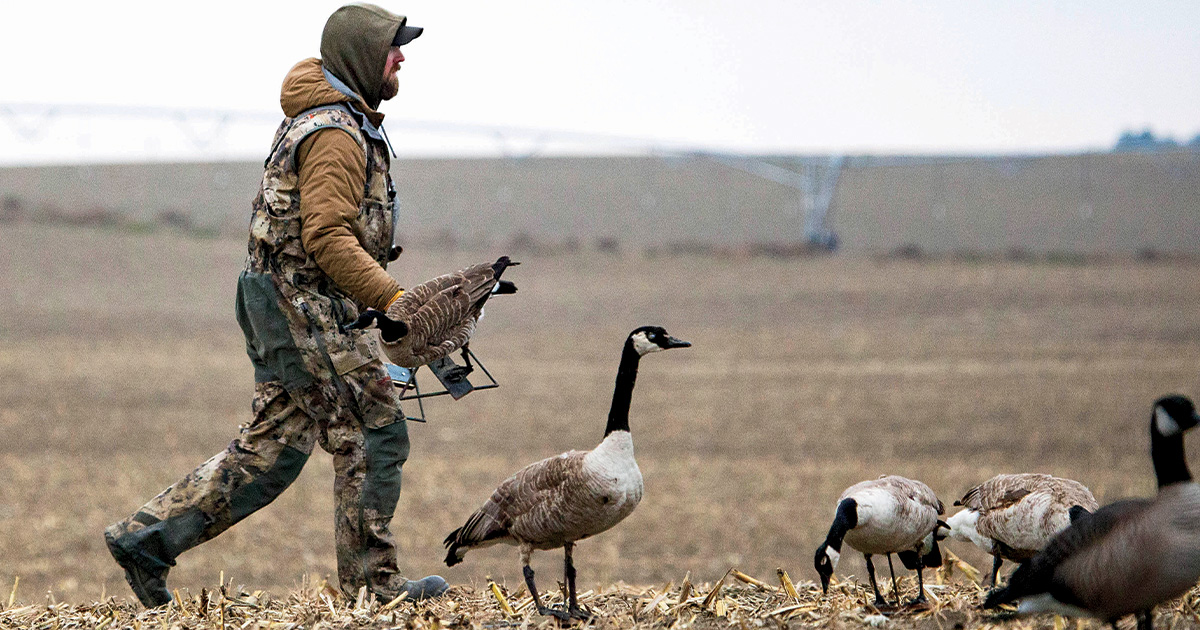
(618, 414)
(1170, 461)
(845, 520)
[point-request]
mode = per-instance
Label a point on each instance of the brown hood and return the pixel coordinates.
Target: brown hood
(305, 87)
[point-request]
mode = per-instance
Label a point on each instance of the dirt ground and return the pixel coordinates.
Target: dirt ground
(121, 368)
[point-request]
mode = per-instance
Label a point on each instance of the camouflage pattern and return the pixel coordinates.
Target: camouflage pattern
(316, 383)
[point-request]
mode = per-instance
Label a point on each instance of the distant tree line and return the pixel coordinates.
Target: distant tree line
(1145, 140)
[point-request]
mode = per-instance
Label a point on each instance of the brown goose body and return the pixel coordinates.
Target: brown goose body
(441, 313)
(1014, 516)
(556, 501)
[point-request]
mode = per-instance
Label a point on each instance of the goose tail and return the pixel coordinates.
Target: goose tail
(502, 263)
(454, 551)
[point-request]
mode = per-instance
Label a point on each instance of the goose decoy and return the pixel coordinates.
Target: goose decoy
(1012, 517)
(885, 516)
(563, 499)
(437, 317)
(1128, 556)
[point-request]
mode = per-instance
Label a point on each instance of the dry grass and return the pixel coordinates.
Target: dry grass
(734, 601)
(121, 368)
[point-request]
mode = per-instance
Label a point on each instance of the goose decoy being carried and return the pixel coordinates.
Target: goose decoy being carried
(1012, 517)
(558, 501)
(437, 317)
(1130, 555)
(886, 515)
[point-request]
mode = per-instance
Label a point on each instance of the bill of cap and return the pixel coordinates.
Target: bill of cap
(406, 34)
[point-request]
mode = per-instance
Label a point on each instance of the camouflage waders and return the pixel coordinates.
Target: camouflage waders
(315, 382)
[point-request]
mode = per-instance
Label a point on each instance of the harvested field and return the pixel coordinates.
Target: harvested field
(121, 368)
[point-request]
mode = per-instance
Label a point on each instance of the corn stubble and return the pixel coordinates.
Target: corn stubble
(954, 603)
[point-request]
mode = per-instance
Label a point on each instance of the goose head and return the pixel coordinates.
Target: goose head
(1173, 415)
(649, 339)
(390, 330)
(825, 561)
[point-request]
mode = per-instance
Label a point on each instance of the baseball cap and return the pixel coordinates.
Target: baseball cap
(406, 34)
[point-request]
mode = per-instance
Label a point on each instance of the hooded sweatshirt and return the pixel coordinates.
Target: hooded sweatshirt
(354, 47)
(331, 166)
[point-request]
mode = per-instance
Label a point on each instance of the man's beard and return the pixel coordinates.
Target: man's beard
(391, 87)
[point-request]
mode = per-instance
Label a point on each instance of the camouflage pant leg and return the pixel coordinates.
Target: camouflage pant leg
(367, 464)
(255, 468)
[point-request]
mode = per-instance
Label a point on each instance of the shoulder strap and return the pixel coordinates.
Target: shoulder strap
(309, 121)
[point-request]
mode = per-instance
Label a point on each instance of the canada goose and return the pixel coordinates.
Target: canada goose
(886, 515)
(437, 317)
(566, 498)
(1129, 555)
(1013, 516)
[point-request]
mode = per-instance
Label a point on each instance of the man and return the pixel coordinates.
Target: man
(321, 236)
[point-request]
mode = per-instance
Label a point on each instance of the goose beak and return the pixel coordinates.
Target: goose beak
(672, 342)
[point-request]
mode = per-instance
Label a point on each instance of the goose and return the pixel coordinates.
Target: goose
(1130, 555)
(1012, 517)
(437, 317)
(563, 499)
(887, 515)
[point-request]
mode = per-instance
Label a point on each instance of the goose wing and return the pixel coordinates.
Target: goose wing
(999, 492)
(441, 313)
(914, 491)
(438, 323)
(526, 506)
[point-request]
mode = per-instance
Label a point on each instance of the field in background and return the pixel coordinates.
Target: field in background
(1115, 204)
(121, 368)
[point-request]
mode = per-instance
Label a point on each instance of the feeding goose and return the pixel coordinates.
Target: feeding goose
(1012, 517)
(1130, 555)
(437, 317)
(560, 500)
(886, 515)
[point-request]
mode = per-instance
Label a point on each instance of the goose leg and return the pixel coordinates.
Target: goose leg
(895, 589)
(537, 601)
(920, 599)
(466, 356)
(460, 372)
(879, 601)
(573, 609)
(996, 562)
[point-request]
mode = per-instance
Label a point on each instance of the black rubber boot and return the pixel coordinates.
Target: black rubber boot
(150, 586)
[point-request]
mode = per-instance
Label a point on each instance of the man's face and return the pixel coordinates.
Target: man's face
(391, 83)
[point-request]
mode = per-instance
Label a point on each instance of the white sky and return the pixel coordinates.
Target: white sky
(739, 75)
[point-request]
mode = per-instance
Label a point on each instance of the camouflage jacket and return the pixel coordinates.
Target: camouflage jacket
(292, 313)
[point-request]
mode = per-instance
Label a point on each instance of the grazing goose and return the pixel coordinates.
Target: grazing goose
(1012, 517)
(1130, 555)
(560, 500)
(887, 515)
(437, 317)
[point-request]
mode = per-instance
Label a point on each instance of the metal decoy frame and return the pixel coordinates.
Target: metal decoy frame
(405, 379)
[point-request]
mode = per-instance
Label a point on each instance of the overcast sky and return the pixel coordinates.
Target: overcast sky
(738, 75)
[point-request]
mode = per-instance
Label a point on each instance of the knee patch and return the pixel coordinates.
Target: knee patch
(265, 487)
(386, 451)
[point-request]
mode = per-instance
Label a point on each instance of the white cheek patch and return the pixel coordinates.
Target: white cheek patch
(1164, 423)
(643, 345)
(834, 556)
